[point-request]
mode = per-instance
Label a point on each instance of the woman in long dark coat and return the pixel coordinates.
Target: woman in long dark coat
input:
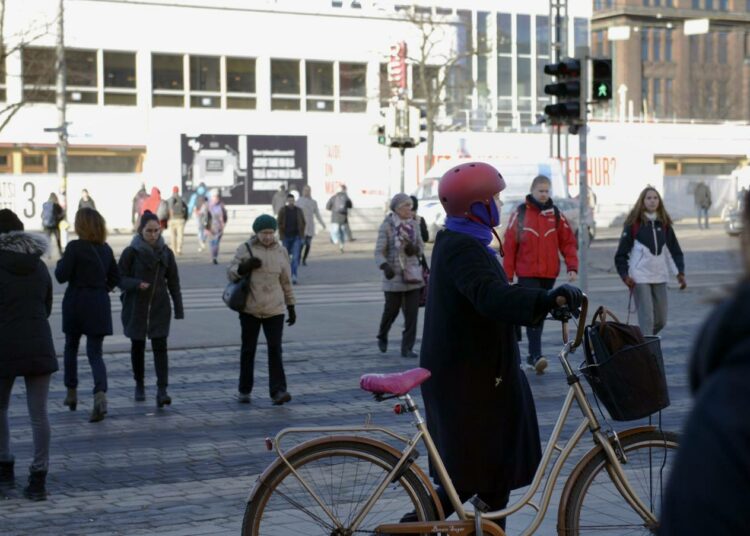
(149, 278)
(27, 348)
(479, 407)
(88, 266)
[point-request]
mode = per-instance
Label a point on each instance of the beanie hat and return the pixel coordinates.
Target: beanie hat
(9, 221)
(175, 189)
(414, 202)
(145, 218)
(264, 222)
(398, 200)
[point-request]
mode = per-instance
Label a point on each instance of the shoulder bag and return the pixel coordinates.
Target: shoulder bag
(235, 293)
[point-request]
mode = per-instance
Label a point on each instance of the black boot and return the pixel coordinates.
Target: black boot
(36, 490)
(162, 398)
(100, 407)
(140, 391)
(7, 476)
(71, 398)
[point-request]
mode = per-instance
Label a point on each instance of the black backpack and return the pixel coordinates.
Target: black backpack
(179, 208)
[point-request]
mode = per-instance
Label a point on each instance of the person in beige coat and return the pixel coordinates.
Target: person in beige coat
(265, 261)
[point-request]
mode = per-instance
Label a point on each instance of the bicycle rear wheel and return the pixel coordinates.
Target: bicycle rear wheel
(344, 475)
(595, 506)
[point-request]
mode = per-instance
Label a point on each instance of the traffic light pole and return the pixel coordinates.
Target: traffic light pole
(582, 53)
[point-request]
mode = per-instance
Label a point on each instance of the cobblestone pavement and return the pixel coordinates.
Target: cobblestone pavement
(188, 469)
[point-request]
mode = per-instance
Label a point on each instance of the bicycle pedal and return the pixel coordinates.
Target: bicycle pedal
(479, 504)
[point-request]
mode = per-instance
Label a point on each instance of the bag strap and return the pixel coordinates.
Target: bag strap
(602, 313)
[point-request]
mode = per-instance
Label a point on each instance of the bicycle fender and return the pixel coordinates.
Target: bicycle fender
(594, 451)
(355, 439)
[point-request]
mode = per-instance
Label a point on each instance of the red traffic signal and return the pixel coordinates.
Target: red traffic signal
(567, 68)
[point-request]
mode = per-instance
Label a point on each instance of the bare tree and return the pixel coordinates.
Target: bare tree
(441, 75)
(39, 69)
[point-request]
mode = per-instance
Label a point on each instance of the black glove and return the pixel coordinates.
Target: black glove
(247, 266)
(410, 249)
(573, 298)
(387, 270)
(291, 315)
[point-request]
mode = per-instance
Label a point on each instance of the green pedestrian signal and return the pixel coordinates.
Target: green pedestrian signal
(601, 87)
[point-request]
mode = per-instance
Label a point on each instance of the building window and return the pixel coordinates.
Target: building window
(693, 42)
(722, 36)
(39, 74)
(708, 48)
(385, 86)
(353, 87)
(168, 81)
(432, 75)
(523, 34)
(580, 32)
(709, 5)
(240, 82)
(523, 76)
(504, 76)
(696, 4)
(205, 82)
(484, 45)
(542, 35)
(285, 85)
(119, 78)
(646, 3)
(657, 104)
(668, 97)
(657, 3)
(668, 45)
(644, 44)
(723, 5)
(542, 58)
(656, 38)
(3, 96)
(319, 86)
(81, 66)
(504, 36)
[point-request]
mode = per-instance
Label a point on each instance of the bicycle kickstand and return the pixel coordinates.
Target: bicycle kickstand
(480, 507)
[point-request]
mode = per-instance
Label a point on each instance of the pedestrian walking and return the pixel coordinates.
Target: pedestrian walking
(536, 236)
(310, 209)
(28, 350)
(149, 279)
(217, 219)
(266, 264)
(177, 215)
(196, 205)
(709, 481)
(423, 231)
(647, 251)
(292, 225)
(702, 197)
(340, 205)
(86, 201)
(479, 407)
(152, 202)
(279, 199)
(397, 253)
(88, 266)
(52, 215)
(138, 200)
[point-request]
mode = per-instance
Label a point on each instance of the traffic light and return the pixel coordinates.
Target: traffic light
(567, 89)
(381, 134)
(601, 86)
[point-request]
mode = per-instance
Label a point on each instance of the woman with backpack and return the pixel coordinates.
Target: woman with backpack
(88, 266)
(397, 254)
(52, 215)
(647, 251)
(149, 278)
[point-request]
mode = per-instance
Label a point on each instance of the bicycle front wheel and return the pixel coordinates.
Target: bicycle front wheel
(344, 475)
(595, 506)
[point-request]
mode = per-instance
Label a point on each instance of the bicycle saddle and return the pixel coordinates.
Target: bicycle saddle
(398, 383)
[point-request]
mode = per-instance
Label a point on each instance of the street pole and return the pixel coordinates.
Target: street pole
(62, 133)
(402, 150)
(582, 53)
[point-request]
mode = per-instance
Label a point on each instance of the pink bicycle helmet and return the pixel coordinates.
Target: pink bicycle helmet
(466, 184)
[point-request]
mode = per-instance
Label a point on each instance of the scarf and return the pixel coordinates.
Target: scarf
(482, 230)
(150, 255)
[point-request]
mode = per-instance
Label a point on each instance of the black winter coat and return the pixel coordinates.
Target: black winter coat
(147, 313)
(710, 482)
(91, 273)
(25, 306)
(479, 407)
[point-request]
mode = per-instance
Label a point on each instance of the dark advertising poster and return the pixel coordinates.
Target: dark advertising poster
(247, 170)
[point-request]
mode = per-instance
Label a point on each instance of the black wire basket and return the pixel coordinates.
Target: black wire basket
(631, 383)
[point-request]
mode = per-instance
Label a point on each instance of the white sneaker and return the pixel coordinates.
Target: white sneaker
(540, 365)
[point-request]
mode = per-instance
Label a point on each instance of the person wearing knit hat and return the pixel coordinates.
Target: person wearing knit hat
(9, 221)
(178, 213)
(397, 254)
(264, 263)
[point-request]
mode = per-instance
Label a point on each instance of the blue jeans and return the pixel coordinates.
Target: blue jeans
(214, 243)
(37, 389)
(702, 214)
(338, 233)
(534, 333)
(96, 360)
(293, 245)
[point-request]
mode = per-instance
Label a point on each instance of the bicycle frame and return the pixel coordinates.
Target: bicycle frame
(589, 421)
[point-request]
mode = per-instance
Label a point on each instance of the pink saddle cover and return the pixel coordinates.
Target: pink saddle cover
(398, 383)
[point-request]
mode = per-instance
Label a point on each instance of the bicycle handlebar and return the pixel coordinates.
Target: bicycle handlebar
(563, 314)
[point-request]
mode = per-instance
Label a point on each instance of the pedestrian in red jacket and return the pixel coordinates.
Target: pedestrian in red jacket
(537, 234)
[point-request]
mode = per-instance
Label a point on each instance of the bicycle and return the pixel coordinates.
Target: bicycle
(342, 485)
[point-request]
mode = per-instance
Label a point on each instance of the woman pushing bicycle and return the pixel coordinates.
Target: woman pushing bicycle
(480, 410)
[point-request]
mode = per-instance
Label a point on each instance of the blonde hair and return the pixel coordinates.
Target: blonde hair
(637, 214)
(90, 226)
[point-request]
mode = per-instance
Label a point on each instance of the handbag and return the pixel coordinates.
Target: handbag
(235, 293)
(411, 272)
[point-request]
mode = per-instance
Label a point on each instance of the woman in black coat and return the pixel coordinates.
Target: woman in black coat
(710, 481)
(27, 348)
(88, 266)
(479, 407)
(149, 278)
